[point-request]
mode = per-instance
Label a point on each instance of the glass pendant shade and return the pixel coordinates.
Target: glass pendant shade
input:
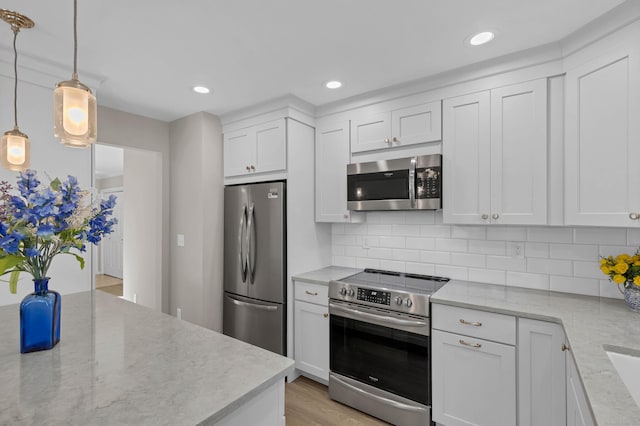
(75, 114)
(15, 149)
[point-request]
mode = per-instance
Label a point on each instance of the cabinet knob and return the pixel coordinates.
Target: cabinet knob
(325, 315)
(634, 216)
(485, 216)
(253, 168)
(395, 139)
(495, 216)
(346, 216)
(386, 140)
(247, 168)
(565, 347)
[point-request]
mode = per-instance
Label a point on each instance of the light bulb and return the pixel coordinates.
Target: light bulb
(16, 150)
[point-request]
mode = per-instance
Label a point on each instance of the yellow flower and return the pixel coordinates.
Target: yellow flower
(621, 268)
(622, 257)
(635, 258)
(637, 263)
(619, 279)
(605, 269)
(636, 281)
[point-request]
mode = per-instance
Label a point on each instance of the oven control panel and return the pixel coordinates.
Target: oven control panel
(374, 296)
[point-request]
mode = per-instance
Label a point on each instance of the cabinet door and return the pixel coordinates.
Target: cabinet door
(373, 132)
(541, 373)
(578, 411)
(270, 146)
(332, 157)
(312, 339)
(238, 152)
(416, 124)
(519, 154)
(466, 159)
(602, 131)
(474, 381)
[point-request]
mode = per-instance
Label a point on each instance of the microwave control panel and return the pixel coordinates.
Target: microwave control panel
(374, 296)
(428, 182)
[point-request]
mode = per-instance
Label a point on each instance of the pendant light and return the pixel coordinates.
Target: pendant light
(74, 106)
(15, 147)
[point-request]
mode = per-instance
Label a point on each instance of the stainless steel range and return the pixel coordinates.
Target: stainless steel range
(380, 346)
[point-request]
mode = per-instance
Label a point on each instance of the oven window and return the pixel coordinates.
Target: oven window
(389, 359)
(392, 185)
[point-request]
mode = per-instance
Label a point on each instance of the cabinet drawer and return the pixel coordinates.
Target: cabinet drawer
(470, 322)
(312, 293)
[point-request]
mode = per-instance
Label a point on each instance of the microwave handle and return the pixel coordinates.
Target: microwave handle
(412, 182)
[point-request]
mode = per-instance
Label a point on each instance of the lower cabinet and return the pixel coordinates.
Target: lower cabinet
(311, 330)
(578, 411)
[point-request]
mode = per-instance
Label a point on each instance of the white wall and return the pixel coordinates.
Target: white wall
(110, 182)
(48, 157)
(563, 259)
(197, 193)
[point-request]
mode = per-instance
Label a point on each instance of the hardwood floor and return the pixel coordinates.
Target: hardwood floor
(109, 284)
(307, 403)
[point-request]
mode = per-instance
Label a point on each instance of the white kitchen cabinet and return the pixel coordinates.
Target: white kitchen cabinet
(495, 156)
(578, 411)
(473, 379)
(332, 157)
(602, 131)
(257, 149)
(311, 334)
(400, 127)
(542, 397)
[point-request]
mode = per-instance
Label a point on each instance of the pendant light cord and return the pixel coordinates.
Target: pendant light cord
(15, 73)
(75, 39)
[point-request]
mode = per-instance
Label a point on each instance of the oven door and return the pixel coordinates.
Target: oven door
(383, 349)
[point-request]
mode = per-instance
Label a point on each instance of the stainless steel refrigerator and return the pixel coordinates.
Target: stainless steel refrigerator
(255, 264)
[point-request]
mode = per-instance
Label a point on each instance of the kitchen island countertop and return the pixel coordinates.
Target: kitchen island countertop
(120, 363)
(590, 324)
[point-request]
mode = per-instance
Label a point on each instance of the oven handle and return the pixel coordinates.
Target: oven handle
(379, 318)
(381, 399)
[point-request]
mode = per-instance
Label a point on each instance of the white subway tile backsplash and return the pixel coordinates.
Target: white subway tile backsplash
(549, 235)
(379, 230)
(406, 230)
(356, 229)
(392, 218)
(343, 240)
(587, 270)
(506, 233)
(337, 250)
(469, 232)
(435, 231)
(363, 262)
(487, 276)
(392, 242)
(420, 243)
(610, 236)
(436, 257)
(380, 253)
(448, 244)
(368, 241)
(633, 237)
(469, 260)
(420, 268)
(584, 286)
(356, 251)
(606, 251)
(390, 265)
(453, 272)
(420, 218)
(536, 250)
(609, 289)
(506, 263)
(497, 248)
(406, 255)
(346, 261)
(337, 229)
(438, 217)
(550, 266)
(526, 280)
(573, 251)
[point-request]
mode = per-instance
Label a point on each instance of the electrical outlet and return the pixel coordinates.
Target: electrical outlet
(180, 240)
(517, 250)
(135, 297)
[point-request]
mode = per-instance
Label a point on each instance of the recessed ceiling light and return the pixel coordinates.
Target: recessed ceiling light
(201, 89)
(333, 84)
(481, 38)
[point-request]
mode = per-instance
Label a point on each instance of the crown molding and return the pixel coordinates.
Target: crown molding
(288, 104)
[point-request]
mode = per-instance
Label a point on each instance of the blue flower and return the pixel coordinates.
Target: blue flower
(45, 230)
(27, 182)
(32, 252)
(11, 243)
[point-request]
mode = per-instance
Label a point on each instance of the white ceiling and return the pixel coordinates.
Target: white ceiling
(149, 53)
(109, 161)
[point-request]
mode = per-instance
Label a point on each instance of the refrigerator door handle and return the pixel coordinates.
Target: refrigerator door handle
(243, 243)
(253, 305)
(251, 238)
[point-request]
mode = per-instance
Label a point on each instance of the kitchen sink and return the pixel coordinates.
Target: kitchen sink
(627, 362)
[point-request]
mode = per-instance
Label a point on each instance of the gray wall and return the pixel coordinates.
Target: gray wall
(197, 193)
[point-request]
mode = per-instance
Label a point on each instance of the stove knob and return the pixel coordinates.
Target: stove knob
(350, 293)
(408, 303)
(343, 291)
(398, 300)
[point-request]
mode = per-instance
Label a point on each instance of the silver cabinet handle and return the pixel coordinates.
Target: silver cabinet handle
(634, 216)
(495, 216)
(254, 306)
(311, 293)
(477, 345)
(477, 324)
(325, 315)
(484, 216)
(564, 347)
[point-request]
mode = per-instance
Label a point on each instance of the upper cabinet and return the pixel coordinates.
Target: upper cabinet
(495, 156)
(400, 127)
(257, 149)
(602, 140)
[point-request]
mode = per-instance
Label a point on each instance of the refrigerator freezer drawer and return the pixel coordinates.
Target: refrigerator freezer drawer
(254, 321)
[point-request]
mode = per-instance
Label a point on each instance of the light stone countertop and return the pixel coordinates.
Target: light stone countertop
(589, 324)
(324, 275)
(120, 363)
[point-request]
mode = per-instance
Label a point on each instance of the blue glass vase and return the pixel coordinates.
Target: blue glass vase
(40, 318)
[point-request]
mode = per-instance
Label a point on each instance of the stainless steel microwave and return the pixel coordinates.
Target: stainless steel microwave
(412, 183)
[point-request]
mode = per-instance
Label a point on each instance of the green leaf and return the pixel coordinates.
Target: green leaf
(78, 258)
(55, 184)
(8, 262)
(13, 282)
